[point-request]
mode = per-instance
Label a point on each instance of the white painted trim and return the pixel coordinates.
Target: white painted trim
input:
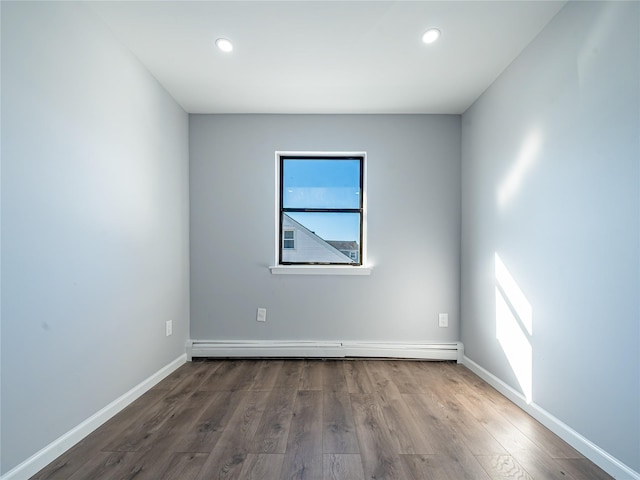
(48, 454)
(323, 349)
(318, 270)
(604, 460)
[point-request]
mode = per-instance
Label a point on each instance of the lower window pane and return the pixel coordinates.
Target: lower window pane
(323, 238)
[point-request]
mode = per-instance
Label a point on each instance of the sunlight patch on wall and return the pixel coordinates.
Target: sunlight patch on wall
(514, 327)
(516, 174)
(515, 296)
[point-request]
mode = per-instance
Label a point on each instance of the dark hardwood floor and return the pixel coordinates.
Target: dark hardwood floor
(313, 419)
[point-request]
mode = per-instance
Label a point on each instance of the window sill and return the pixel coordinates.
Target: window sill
(318, 270)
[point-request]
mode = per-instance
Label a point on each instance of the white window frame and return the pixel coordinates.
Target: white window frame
(364, 268)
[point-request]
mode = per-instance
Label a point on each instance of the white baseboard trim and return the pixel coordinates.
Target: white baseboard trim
(607, 462)
(324, 349)
(48, 454)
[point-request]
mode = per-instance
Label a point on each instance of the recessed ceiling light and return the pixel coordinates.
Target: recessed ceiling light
(431, 35)
(224, 45)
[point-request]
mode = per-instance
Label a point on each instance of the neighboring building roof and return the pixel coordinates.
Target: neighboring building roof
(344, 245)
(323, 244)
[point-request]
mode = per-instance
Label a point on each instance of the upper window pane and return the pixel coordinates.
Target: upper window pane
(321, 183)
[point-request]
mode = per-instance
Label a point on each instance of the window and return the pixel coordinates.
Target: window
(321, 208)
(288, 239)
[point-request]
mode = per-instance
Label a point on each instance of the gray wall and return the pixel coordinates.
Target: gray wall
(550, 182)
(94, 223)
(413, 235)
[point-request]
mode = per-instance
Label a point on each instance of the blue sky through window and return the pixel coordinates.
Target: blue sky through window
(331, 226)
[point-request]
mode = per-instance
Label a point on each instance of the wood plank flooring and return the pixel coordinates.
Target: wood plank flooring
(324, 420)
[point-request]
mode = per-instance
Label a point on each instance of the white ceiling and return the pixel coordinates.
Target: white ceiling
(326, 56)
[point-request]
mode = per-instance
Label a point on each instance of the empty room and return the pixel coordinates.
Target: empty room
(320, 240)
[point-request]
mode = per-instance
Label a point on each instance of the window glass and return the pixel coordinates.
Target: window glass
(321, 183)
(321, 210)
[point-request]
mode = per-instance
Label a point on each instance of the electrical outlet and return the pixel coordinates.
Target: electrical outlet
(262, 315)
(168, 327)
(443, 320)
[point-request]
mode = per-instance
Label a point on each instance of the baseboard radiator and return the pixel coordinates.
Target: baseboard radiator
(324, 349)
